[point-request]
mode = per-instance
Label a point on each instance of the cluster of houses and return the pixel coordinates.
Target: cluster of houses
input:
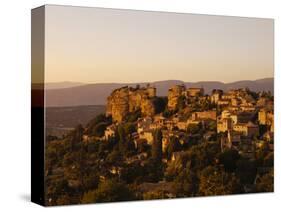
(246, 123)
(241, 121)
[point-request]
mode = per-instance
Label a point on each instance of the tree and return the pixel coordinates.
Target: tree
(206, 105)
(115, 157)
(203, 155)
(168, 113)
(126, 146)
(121, 138)
(181, 103)
(261, 154)
(173, 169)
(132, 117)
(64, 200)
(160, 104)
(173, 146)
(98, 129)
(51, 138)
(212, 125)
(246, 170)
(153, 195)
(132, 173)
(90, 181)
(108, 191)
(101, 118)
(229, 159)
(193, 128)
(269, 160)
(76, 136)
(186, 183)
(266, 182)
(143, 146)
(255, 95)
(157, 146)
(153, 171)
(217, 182)
(56, 189)
(129, 128)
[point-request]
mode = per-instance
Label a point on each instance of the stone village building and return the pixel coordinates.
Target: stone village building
(238, 119)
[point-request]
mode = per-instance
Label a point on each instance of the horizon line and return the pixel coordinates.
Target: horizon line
(66, 81)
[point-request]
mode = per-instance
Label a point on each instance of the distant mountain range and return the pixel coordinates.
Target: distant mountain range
(73, 94)
(59, 85)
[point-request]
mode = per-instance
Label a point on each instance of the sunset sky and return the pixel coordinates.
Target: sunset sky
(94, 45)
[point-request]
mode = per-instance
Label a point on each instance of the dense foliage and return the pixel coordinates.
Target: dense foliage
(84, 167)
(103, 171)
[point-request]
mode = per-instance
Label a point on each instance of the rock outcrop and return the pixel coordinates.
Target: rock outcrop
(180, 90)
(127, 100)
(173, 95)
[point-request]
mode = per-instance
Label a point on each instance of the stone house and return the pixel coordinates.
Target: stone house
(173, 95)
(247, 108)
(268, 136)
(110, 131)
(195, 92)
(248, 129)
(224, 124)
(265, 117)
(210, 114)
(144, 124)
(242, 117)
(147, 135)
(234, 138)
(216, 95)
(223, 102)
(182, 125)
(235, 102)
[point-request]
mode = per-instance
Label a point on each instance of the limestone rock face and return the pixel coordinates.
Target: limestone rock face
(173, 95)
(127, 100)
(117, 104)
(147, 108)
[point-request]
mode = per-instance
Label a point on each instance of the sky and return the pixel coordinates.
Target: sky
(95, 45)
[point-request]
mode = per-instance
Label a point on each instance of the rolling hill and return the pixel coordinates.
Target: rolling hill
(96, 94)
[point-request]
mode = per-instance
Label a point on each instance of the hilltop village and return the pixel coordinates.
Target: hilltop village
(236, 116)
(179, 145)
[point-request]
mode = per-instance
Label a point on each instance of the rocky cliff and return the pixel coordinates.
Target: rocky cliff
(125, 100)
(173, 95)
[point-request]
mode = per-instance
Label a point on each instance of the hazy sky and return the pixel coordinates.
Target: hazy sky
(106, 45)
